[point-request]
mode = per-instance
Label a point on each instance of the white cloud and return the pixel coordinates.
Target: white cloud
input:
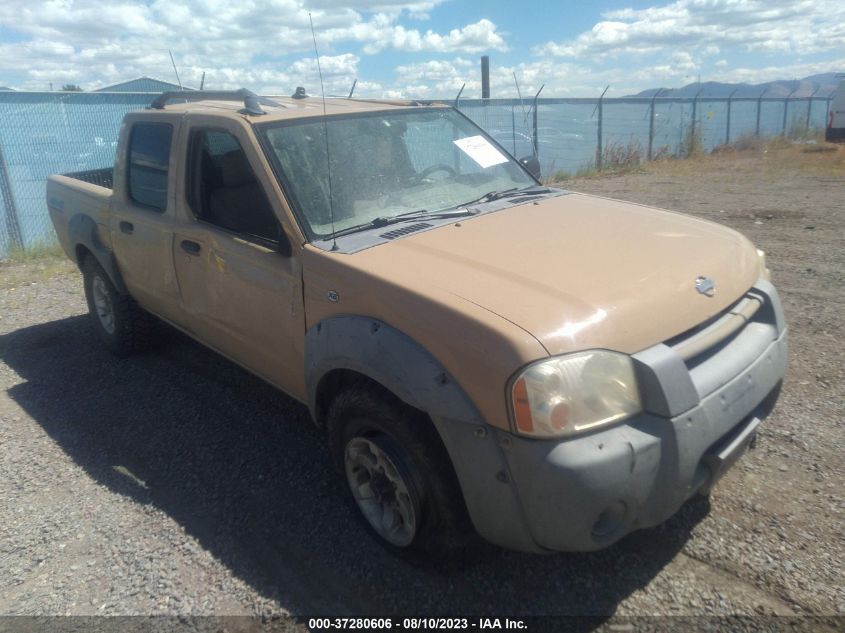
(794, 26)
(436, 79)
(266, 46)
(473, 38)
(235, 43)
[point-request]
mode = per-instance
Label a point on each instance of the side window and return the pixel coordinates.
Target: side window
(222, 187)
(149, 157)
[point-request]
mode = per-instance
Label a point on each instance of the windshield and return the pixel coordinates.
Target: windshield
(386, 164)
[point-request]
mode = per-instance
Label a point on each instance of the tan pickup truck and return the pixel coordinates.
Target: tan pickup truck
(549, 368)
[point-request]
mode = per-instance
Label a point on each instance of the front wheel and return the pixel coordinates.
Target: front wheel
(398, 472)
(383, 488)
(120, 323)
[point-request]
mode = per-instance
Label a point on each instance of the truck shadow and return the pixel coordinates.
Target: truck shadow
(242, 469)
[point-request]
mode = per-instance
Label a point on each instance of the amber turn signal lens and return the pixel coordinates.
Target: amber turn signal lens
(522, 407)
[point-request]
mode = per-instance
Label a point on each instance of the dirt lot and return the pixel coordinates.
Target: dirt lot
(176, 483)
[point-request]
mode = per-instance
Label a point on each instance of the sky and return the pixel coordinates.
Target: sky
(419, 49)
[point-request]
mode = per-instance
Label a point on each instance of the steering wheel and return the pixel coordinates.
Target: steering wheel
(425, 173)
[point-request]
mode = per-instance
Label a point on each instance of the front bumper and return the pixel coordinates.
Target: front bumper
(587, 492)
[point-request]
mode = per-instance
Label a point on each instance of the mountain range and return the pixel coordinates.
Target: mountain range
(822, 84)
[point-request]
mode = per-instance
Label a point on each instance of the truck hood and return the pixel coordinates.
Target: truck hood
(579, 271)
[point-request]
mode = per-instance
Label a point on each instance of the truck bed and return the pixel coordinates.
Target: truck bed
(80, 204)
(99, 177)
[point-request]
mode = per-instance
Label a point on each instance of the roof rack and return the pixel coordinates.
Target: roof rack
(252, 102)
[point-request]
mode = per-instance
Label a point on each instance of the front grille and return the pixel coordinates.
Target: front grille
(707, 338)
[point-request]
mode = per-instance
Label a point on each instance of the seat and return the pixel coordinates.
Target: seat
(239, 203)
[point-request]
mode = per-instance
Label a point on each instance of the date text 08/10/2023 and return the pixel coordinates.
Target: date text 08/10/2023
(413, 624)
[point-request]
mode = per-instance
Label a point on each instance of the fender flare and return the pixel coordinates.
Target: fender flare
(379, 351)
(396, 361)
(83, 231)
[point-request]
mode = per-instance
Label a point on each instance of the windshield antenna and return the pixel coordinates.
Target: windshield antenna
(326, 135)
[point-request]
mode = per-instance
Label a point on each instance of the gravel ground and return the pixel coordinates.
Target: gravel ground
(176, 483)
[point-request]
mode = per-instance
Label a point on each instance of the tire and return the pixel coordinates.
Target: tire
(120, 323)
(371, 430)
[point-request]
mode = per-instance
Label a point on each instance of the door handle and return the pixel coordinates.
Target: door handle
(127, 227)
(192, 248)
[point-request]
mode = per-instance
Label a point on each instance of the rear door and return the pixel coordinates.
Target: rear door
(143, 217)
(239, 280)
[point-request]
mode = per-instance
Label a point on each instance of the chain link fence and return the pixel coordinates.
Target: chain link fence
(571, 135)
(55, 132)
(51, 133)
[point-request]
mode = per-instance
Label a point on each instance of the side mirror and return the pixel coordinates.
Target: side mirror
(532, 164)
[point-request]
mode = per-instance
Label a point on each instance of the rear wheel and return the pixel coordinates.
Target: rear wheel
(122, 325)
(399, 475)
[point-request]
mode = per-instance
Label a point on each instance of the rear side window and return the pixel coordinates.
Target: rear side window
(149, 156)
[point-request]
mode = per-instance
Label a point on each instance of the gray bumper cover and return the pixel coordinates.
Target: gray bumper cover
(587, 492)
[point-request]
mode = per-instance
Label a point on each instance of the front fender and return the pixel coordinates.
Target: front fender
(388, 356)
(397, 362)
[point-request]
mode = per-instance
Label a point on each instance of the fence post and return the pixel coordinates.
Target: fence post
(458, 97)
(692, 138)
(13, 227)
(728, 124)
(759, 101)
(810, 109)
(827, 108)
(534, 122)
(785, 107)
(598, 134)
(651, 123)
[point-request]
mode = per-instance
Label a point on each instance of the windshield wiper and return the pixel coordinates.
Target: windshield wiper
(490, 196)
(508, 193)
(377, 223)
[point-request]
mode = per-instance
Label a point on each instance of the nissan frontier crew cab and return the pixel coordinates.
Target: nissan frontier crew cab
(549, 368)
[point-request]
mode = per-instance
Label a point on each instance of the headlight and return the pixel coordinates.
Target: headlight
(574, 393)
(765, 273)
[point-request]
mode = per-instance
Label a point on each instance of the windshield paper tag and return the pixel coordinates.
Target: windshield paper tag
(481, 151)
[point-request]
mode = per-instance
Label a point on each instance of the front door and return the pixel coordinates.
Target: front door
(241, 292)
